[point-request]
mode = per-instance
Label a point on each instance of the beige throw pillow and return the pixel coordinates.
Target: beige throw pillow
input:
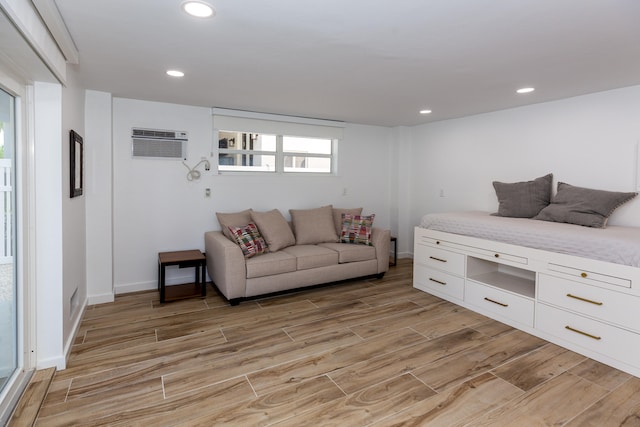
(274, 228)
(233, 219)
(313, 226)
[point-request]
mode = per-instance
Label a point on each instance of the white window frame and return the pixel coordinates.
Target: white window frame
(280, 126)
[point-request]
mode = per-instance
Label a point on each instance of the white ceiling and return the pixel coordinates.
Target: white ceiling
(362, 61)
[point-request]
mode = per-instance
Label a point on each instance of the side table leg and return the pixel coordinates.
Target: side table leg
(203, 281)
(162, 284)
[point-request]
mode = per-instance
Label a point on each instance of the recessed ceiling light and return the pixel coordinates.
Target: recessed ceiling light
(526, 90)
(199, 9)
(175, 73)
(425, 111)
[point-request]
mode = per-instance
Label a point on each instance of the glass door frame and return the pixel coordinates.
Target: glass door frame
(24, 220)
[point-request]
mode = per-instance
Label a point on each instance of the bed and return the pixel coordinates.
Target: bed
(576, 286)
(615, 244)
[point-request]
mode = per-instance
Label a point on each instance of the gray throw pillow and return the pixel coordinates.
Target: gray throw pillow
(523, 199)
(583, 206)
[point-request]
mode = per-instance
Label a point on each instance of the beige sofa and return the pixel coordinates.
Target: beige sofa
(301, 253)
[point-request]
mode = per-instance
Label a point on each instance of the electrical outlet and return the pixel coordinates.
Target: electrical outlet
(344, 191)
(207, 192)
(441, 192)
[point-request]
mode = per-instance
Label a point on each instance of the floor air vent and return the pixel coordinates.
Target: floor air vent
(158, 144)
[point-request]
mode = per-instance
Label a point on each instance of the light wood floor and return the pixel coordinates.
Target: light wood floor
(366, 352)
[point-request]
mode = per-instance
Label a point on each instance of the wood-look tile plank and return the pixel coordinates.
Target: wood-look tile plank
(27, 409)
(366, 406)
(466, 364)
(601, 374)
(456, 319)
(458, 405)
(305, 330)
(363, 374)
(117, 342)
(169, 412)
(124, 375)
(493, 328)
(249, 361)
(538, 366)
(619, 408)
(214, 322)
(274, 407)
(257, 327)
(403, 319)
(555, 402)
(295, 371)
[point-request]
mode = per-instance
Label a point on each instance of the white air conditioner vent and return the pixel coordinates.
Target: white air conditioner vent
(161, 144)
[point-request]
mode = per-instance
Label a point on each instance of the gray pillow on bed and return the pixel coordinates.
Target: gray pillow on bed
(583, 206)
(523, 199)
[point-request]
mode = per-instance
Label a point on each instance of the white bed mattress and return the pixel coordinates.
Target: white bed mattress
(616, 244)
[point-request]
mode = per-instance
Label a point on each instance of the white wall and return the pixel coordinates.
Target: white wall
(156, 209)
(98, 190)
(73, 214)
(48, 225)
(587, 141)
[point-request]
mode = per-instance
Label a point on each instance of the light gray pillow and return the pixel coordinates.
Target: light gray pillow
(274, 228)
(583, 206)
(523, 199)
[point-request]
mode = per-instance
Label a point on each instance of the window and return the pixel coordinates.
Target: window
(247, 144)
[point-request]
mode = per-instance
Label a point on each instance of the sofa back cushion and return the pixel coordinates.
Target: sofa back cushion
(312, 226)
(274, 228)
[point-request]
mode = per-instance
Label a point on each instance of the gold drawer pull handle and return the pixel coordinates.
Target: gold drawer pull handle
(584, 299)
(437, 281)
(582, 333)
(496, 255)
(438, 259)
(496, 302)
(584, 275)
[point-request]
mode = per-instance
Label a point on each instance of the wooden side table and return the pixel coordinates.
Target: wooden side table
(183, 259)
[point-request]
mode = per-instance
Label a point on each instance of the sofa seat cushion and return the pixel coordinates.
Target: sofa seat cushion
(312, 256)
(270, 264)
(348, 252)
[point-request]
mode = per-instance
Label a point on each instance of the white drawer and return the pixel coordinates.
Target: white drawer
(590, 276)
(608, 340)
(506, 304)
(604, 304)
(440, 259)
(436, 281)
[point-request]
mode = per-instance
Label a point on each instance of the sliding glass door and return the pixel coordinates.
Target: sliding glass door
(8, 288)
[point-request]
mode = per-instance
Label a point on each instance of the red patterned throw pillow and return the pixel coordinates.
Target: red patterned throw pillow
(249, 239)
(356, 229)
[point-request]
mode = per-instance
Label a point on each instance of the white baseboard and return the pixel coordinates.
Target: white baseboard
(100, 298)
(152, 284)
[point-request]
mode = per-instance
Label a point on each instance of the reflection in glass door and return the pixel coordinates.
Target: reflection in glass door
(8, 288)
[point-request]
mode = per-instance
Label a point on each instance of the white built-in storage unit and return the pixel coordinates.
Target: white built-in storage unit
(585, 305)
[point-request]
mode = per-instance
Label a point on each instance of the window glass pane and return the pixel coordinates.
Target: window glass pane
(246, 141)
(8, 285)
(246, 162)
(293, 144)
(307, 164)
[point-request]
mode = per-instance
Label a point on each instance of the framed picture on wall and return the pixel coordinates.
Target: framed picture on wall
(76, 157)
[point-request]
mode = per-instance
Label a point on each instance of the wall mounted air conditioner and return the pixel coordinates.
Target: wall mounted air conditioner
(158, 144)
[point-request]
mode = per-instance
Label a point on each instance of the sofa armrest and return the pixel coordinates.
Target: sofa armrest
(226, 265)
(381, 241)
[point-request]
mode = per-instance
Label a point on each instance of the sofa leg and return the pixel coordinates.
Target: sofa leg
(235, 301)
(380, 275)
